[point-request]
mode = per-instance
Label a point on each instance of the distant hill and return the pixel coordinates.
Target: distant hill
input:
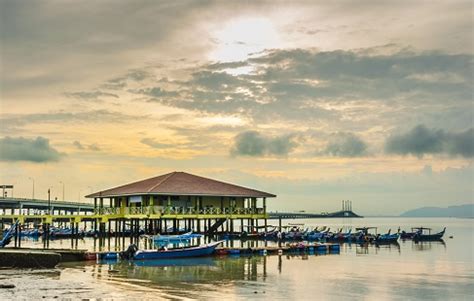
(466, 210)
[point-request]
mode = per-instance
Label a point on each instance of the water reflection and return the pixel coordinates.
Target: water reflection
(208, 270)
(427, 245)
(206, 261)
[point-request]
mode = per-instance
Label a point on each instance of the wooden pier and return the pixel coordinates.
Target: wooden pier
(165, 204)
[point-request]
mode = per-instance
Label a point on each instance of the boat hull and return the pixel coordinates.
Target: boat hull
(198, 251)
(429, 237)
(176, 238)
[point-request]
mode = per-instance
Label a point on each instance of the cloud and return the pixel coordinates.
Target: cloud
(254, 144)
(78, 145)
(94, 95)
(345, 145)
(24, 149)
(421, 141)
(156, 92)
(154, 144)
(309, 86)
(92, 147)
(11, 122)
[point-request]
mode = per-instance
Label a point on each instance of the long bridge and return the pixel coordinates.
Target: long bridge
(37, 205)
(301, 215)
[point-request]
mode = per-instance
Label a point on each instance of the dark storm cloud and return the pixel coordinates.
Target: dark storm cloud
(421, 141)
(254, 144)
(25, 149)
(345, 145)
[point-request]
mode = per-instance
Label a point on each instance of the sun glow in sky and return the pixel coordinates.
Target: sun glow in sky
(242, 36)
(313, 101)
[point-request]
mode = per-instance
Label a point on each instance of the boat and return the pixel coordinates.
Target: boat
(195, 251)
(364, 236)
(315, 236)
(58, 233)
(407, 235)
(175, 238)
(295, 233)
(387, 238)
(421, 236)
(8, 235)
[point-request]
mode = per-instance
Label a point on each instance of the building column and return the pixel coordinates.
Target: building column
(151, 203)
(123, 204)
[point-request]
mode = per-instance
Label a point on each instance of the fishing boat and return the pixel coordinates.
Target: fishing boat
(364, 236)
(341, 236)
(315, 235)
(387, 238)
(407, 235)
(8, 235)
(59, 233)
(175, 238)
(422, 236)
(195, 251)
(295, 233)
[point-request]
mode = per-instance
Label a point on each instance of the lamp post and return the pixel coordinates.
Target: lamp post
(33, 193)
(49, 201)
(61, 182)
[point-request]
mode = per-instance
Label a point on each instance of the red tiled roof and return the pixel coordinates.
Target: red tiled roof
(181, 183)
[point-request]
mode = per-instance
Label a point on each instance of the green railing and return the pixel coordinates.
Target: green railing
(149, 210)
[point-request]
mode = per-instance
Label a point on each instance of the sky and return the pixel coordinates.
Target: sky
(314, 101)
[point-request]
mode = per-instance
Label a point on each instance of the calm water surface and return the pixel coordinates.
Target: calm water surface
(408, 271)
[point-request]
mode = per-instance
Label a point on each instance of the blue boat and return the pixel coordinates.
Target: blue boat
(196, 251)
(387, 238)
(8, 235)
(176, 238)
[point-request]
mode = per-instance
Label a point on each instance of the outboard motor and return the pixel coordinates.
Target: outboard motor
(130, 252)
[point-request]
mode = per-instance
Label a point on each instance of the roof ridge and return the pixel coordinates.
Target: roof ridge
(162, 181)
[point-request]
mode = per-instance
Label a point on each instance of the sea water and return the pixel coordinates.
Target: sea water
(404, 271)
